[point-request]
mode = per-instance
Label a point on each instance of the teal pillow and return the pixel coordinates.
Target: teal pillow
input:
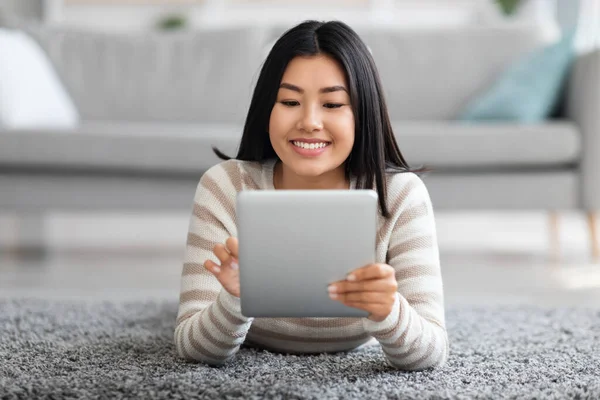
(528, 91)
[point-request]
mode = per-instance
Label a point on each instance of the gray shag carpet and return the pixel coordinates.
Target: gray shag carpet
(69, 349)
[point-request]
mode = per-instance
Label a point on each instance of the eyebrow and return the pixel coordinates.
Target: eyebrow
(329, 89)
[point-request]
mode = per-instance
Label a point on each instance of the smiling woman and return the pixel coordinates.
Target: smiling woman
(317, 120)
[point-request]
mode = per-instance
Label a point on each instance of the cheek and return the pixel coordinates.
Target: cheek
(278, 123)
(343, 131)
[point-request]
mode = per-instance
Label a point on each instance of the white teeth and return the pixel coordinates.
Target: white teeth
(310, 146)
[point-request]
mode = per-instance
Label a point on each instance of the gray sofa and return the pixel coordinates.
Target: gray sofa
(152, 105)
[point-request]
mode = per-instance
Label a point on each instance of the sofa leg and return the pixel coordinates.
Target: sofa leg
(28, 236)
(592, 224)
(554, 236)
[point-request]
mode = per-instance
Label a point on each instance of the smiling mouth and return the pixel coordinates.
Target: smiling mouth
(310, 146)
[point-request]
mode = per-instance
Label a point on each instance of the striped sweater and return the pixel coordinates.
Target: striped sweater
(210, 327)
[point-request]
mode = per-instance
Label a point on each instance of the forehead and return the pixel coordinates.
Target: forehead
(318, 71)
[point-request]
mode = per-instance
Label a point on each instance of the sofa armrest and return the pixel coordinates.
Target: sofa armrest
(583, 107)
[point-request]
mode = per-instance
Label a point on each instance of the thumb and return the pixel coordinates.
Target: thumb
(233, 246)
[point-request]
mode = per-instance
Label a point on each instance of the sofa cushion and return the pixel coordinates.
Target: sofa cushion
(456, 145)
(31, 94)
(120, 147)
(527, 91)
(186, 148)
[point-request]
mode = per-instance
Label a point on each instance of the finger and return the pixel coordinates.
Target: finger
(361, 306)
(363, 297)
(221, 253)
(212, 266)
(233, 247)
(372, 309)
(372, 271)
(373, 285)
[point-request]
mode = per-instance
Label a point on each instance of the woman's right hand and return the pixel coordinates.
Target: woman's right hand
(228, 272)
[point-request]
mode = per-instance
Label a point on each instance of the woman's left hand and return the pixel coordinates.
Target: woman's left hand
(371, 288)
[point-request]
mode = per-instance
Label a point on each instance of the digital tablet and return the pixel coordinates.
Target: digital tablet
(294, 243)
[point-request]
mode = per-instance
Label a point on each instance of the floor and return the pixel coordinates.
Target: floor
(486, 258)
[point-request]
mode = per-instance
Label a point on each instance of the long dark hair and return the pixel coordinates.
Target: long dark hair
(375, 150)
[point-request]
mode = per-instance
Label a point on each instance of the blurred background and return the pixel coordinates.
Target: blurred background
(109, 109)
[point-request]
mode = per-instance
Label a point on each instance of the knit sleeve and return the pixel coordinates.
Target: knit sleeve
(210, 326)
(413, 336)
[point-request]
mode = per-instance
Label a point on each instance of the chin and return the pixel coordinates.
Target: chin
(308, 170)
(316, 169)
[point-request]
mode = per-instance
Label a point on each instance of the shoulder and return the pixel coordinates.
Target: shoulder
(405, 189)
(235, 175)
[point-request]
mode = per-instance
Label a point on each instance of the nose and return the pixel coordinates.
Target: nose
(311, 120)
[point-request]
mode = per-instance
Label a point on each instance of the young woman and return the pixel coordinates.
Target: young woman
(317, 120)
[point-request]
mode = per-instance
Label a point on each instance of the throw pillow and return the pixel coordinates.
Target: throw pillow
(528, 91)
(31, 93)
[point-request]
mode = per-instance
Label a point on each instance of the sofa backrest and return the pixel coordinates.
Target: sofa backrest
(209, 76)
(184, 76)
(432, 74)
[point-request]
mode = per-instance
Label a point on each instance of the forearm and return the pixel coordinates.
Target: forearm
(215, 334)
(409, 341)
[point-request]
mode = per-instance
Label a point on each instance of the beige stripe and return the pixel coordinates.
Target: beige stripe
(182, 346)
(199, 242)
(420, 303)
(213, 340)
(232, 319)
(194, 269)
(179, 342)
(412, 213)
(422, 297)
(413, 271)
(322, 322)
(402, 339)
(187, 315)
(387, 226)
(224, 331)
(198, 295)
(395, 206)
(383, 334)
(222, 198)
(201, 349)
(430, 349)
(250, 183)
(233, 173)
(292, 338)
(389, 333)
(207, 216)
(419, 242)
(403, 194)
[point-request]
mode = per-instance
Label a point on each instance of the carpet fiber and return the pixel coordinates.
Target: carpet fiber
(62, 349)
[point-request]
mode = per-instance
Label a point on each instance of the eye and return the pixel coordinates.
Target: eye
(333, 105)
(289, 103)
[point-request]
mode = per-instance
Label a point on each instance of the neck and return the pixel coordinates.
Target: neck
(284, 178)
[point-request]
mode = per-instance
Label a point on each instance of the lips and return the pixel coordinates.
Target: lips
(310, 146)
(311, 140)
(310, 149)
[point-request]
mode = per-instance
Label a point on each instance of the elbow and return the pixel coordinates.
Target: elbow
(187, 356)
(432, 363)
(434, 360)
(194, 355)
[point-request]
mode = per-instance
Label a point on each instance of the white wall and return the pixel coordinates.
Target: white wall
(211, 13)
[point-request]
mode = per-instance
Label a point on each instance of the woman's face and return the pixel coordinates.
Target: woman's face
(312, 124)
